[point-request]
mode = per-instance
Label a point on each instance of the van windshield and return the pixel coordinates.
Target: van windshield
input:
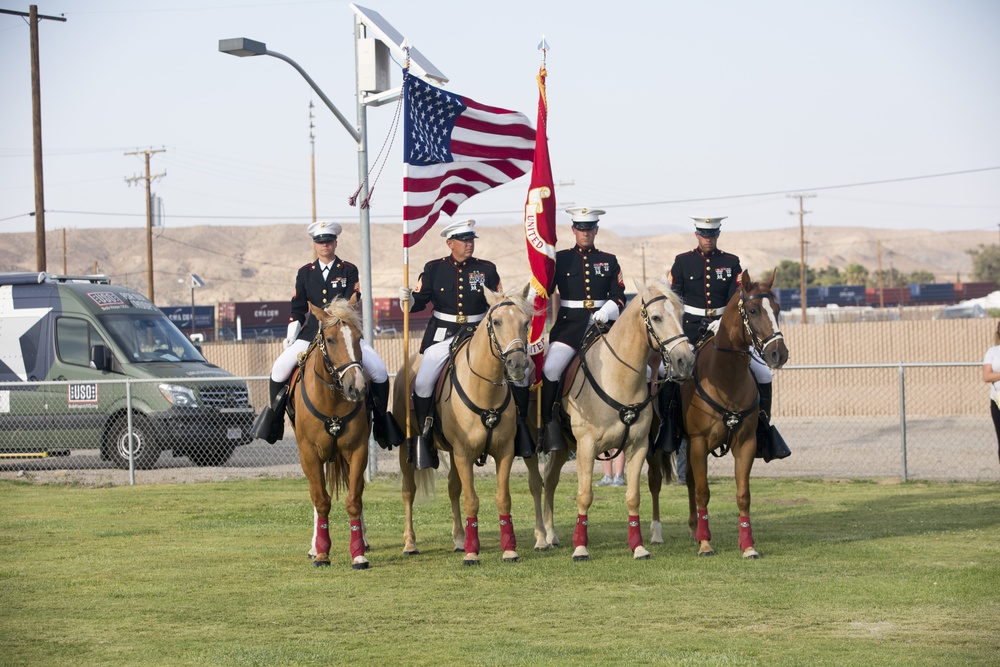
(150, 338)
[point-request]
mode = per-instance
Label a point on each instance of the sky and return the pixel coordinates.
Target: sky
(888, 111)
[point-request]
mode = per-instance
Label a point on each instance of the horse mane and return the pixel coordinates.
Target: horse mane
(516, 296)
(660, 287)
(341, 309)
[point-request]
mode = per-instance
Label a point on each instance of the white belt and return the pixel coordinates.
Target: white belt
(587, 303)
(459, 319)
(704, 312)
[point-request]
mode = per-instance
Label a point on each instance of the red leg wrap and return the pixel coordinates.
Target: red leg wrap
(357, 539)
(634, 532)
(746, 533)
(580, 533)
(507, 540)
(471, 535)
(322, 543)
(703, 533)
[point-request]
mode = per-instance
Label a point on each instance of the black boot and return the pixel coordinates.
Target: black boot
(770, 444)
(552, 438)
(524, 446)
(422, 453)
(270, 423)
(388, 434)
(668, 436)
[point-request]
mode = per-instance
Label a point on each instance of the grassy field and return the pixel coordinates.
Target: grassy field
(853, 573)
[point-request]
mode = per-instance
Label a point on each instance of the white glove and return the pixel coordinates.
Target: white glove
(713, 326)
(293, 333)
(405, 296)
(608, 311)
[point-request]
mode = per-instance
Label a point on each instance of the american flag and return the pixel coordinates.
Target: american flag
(455, 148)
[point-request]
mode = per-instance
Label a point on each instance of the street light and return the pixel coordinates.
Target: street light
(195, 282)
(243, 47)
(375, 40)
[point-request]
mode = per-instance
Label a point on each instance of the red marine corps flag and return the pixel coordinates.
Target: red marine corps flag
(540, 225)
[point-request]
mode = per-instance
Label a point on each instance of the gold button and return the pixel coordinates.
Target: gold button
(461, 279)
(586, 273)
(587, 280)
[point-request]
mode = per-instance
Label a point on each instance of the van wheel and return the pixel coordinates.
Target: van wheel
(211, 455)
(146, 453)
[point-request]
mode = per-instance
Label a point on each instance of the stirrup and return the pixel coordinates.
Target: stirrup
(554, 441)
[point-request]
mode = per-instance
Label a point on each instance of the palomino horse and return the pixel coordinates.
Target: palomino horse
(720, 402)
(475, 418)
(331, 424)
(607, 406)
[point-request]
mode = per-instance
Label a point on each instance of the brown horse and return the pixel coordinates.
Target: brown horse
(475, 418)
(720, 402)
(607, 403)
(331, 424)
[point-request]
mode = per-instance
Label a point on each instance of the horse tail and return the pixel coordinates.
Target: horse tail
(425, 482)
(336, 474)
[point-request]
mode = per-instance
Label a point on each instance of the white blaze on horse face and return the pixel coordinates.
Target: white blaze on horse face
(771, 315)
(348, 336)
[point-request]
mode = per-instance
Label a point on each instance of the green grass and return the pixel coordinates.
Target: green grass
(853, 573)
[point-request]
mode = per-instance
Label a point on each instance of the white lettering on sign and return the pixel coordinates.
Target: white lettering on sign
(268, 313)
(82, 393)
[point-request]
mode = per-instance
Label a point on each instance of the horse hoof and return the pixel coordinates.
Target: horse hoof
(321, 563)
(511, 557)
(415, 552)
(360, 563)
(640, 553)
(706, 553)
(580, 558)
(750, 554)
(459, 550)
(470, 561)
(581, 553)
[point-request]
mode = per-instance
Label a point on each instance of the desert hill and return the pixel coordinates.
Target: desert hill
(258, 263)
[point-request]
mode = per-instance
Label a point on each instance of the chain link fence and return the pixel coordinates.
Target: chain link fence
(911, 421)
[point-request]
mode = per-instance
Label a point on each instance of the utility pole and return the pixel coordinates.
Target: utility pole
(312, 164)
(802, 249)
(64, 252)
(149, 213)
(642, 248)
(36, 127)
(881, 277)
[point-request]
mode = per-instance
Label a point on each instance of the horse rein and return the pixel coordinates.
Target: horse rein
(333, 424)
(495, 350)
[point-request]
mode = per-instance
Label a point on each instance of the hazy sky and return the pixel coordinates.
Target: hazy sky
(658, 109)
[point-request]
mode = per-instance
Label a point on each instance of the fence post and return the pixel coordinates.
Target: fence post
(131, 435)
(902, 417)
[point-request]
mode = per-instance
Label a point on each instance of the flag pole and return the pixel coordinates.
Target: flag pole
(543, 46)
(406, 273)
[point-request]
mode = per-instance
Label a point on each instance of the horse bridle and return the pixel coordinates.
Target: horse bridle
(755, 340)
(333, 424)
(490, 417)
(335, 372)
(495, 349)
(651, 334)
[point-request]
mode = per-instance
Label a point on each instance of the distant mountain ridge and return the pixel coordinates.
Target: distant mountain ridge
(258, 263)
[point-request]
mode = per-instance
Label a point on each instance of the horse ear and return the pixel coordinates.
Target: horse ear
(353, 301)
(491, 296)
(770, 281)
(527, 292)
(318, 313)
(745, 279)
(640, 286)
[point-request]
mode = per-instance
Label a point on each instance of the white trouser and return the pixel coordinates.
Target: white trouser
(287, 360)
(556, 360)
(759, 368)
(434, 359)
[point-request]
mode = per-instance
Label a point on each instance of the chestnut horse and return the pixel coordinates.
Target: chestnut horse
(607, 404)
(332, 425)
(720, 403)
(475, 418)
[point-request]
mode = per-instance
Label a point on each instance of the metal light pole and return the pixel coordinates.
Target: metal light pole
(243, 48)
